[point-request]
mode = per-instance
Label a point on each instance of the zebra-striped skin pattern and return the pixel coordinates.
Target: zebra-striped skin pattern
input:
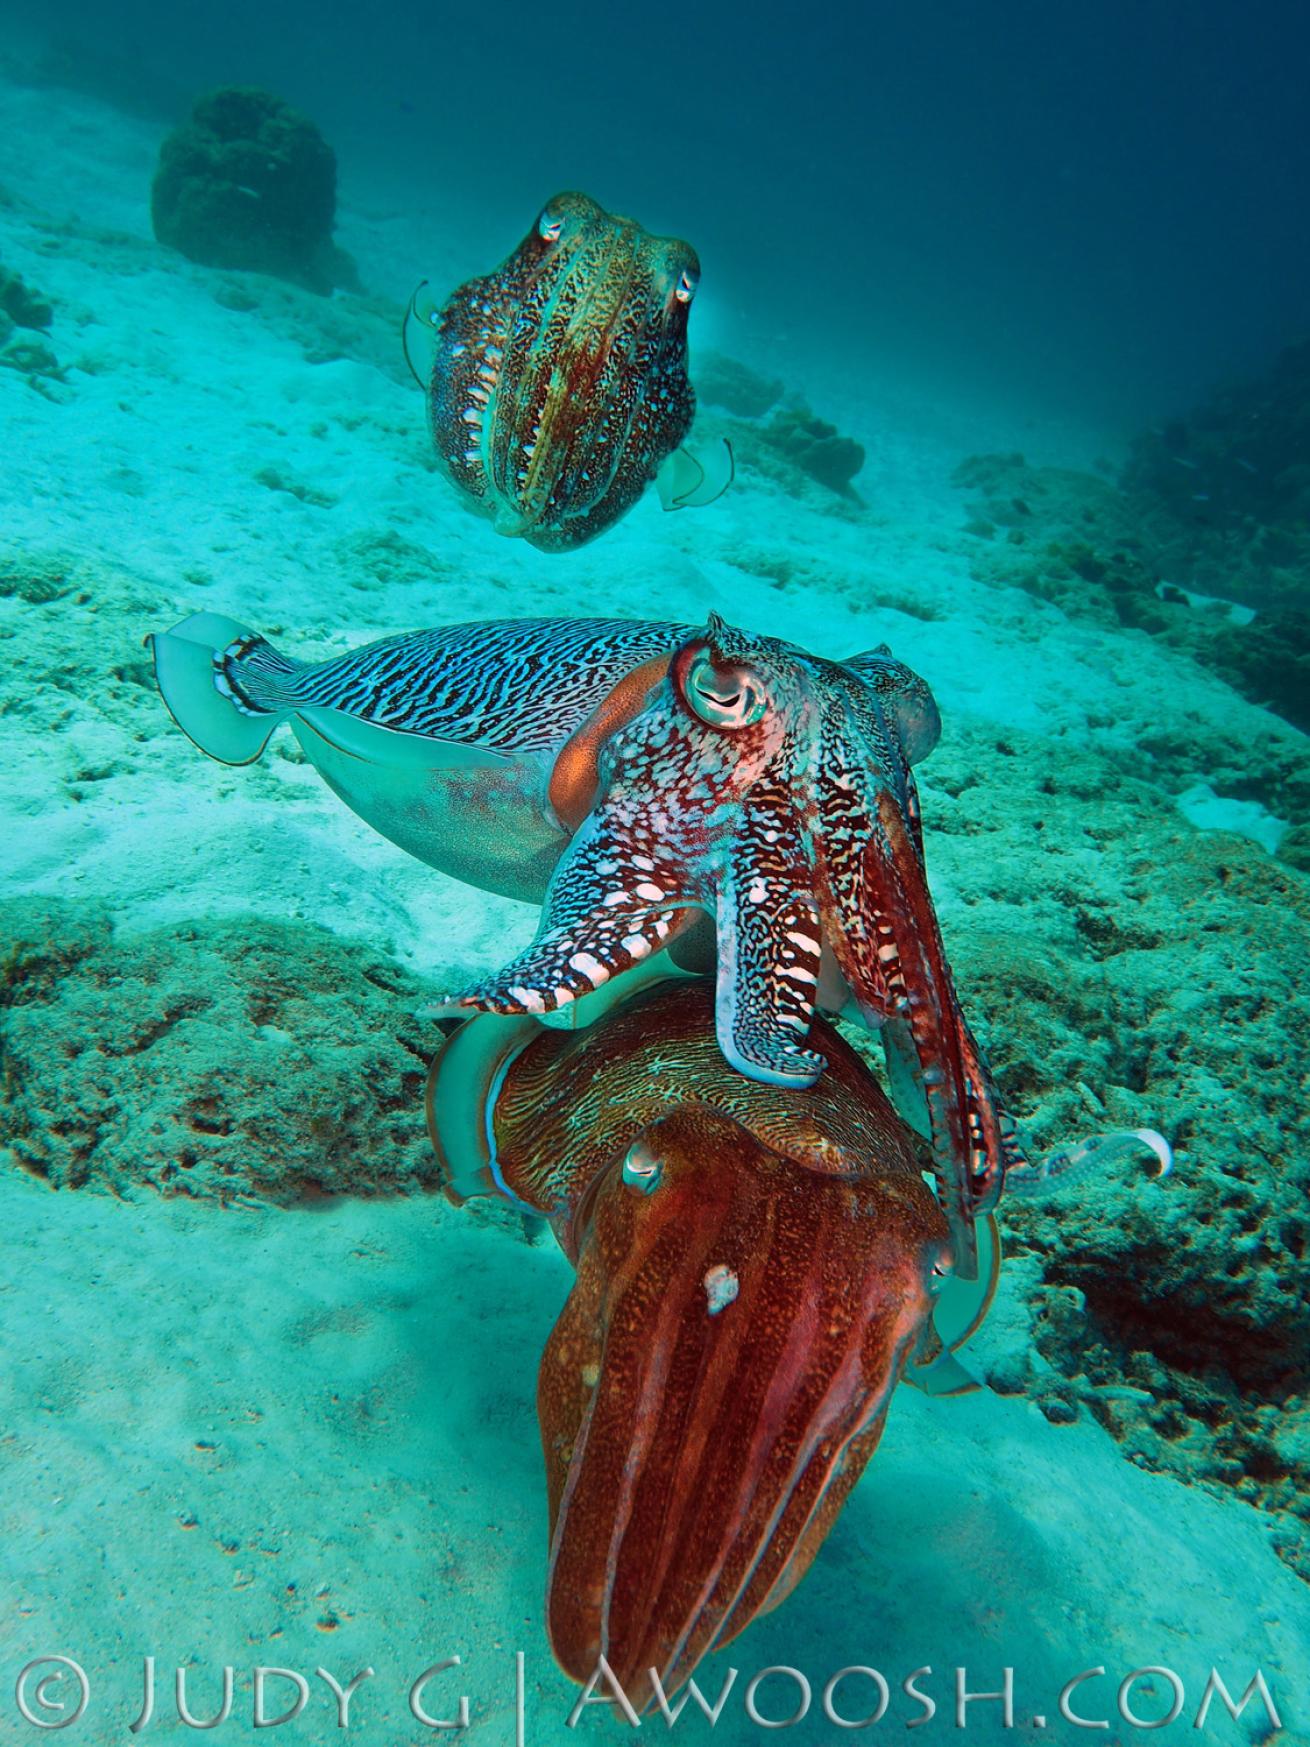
(773, 790)
(674, 772)
(511, 685)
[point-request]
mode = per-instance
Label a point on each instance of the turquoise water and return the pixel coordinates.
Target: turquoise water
(1002, 317)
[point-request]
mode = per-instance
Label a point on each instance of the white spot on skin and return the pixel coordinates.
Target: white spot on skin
(721, 1287)
(796, 973)
(651, 893)
(589, 967)
(636, 945)
(756, 892)
(612, 898)
(643, 862)
(528, 999)
(804, 942)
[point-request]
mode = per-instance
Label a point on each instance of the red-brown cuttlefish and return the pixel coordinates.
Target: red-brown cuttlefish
(756, 1266)
(639, 777)
(557, 385)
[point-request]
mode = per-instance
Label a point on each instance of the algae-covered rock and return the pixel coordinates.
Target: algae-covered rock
(247, 182)
(23, 306)
(1295, 848)
(798, 451)
(1228, 486)
(236, 1058)
(726, 382)
(1128, 973)
(1084, 544)
(816, 447)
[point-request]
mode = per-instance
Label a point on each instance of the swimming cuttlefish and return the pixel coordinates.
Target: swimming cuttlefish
(757, 1267)
(638, 777)
(557, 386)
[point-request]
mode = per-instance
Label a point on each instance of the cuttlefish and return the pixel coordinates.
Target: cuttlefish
(557, 386)
(636, 777)
(756, 1266)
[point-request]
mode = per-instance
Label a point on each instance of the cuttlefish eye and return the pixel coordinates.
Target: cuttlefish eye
(685, 289)
(549, 225)
(939, 1273)
(642, 1169)
(726, 697)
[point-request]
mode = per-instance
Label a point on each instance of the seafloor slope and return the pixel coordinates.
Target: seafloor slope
(243, 1423)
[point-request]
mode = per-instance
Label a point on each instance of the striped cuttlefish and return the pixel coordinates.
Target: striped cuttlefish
(726, 795)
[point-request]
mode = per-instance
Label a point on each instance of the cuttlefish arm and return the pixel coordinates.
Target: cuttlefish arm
(756, 1267)
(691, 813)
(770, 949)
(611, 903)
(882, 927)
(617, 896)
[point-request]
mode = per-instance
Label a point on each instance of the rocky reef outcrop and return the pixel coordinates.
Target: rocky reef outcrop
(248, 182)
(225, 1060)
(1085, 543)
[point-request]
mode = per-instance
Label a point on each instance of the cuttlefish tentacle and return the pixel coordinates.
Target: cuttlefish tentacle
(770, 949)
(611, 904)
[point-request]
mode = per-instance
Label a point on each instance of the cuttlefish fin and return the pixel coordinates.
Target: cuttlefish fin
(418, 334)
(187, 667)
(608, 907)
(770, 946)
(685, 482)
(370, 743)
(466, 1071)
(228, 689)
(958, 1314)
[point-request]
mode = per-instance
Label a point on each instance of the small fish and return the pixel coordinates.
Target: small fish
(1094, 1152)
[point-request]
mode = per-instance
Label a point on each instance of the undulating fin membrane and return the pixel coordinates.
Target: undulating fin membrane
(686, 482)
(185, 668)
(961, 1310)
(418, 334)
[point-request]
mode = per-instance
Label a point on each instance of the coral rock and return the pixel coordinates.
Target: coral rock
(247, 182)
(816, 447)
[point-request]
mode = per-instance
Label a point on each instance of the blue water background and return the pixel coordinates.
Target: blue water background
(1091, 209)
